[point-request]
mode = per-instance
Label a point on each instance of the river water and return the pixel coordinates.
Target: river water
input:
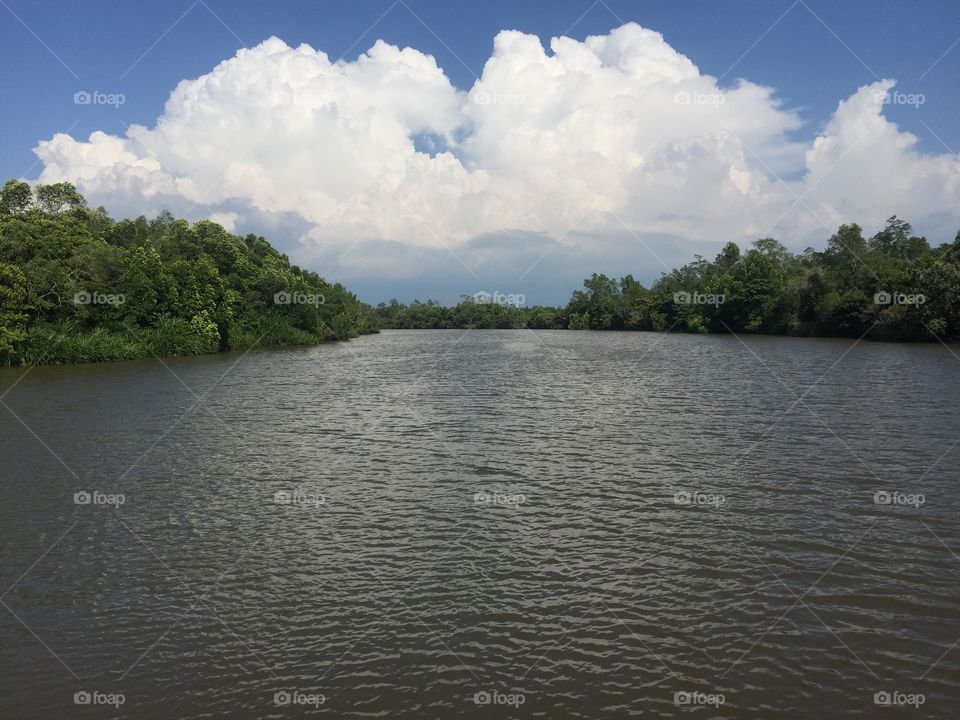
(450, 524)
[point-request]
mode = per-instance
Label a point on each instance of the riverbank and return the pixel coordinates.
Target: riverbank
(77, 286)
(893, 286)
(68, 346)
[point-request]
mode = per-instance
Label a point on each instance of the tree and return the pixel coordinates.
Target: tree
(15, 197)
(59, 197)
(89, 288)
(896, 240)
(893, 287)
(579, 321)
(12, 294)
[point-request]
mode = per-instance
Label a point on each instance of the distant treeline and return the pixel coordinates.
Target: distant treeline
(77, 286)
(893, 286)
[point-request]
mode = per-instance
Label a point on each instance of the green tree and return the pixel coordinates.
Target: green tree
(58, 198)
(579, 321)
(15, 197)
(896, 240)
(12, 316)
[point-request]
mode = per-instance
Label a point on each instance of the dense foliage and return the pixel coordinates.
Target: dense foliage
(893, 286)
(76, 286)
(467, 314)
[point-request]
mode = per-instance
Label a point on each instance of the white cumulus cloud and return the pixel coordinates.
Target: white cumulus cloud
(610, 140)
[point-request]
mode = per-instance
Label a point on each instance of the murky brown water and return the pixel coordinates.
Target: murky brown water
(492, 524)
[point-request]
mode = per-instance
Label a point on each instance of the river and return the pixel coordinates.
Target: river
(478, 524)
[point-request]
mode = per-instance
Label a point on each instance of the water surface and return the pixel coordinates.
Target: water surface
(591, 523)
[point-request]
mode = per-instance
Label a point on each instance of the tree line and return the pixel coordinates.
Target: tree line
(78, 286)
(892, 286)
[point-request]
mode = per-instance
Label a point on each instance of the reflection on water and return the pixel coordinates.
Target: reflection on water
(485, 524)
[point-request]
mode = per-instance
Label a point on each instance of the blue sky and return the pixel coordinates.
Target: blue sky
(816, 55)
(99, 40)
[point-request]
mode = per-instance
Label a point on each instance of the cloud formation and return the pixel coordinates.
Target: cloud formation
(618, 138)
